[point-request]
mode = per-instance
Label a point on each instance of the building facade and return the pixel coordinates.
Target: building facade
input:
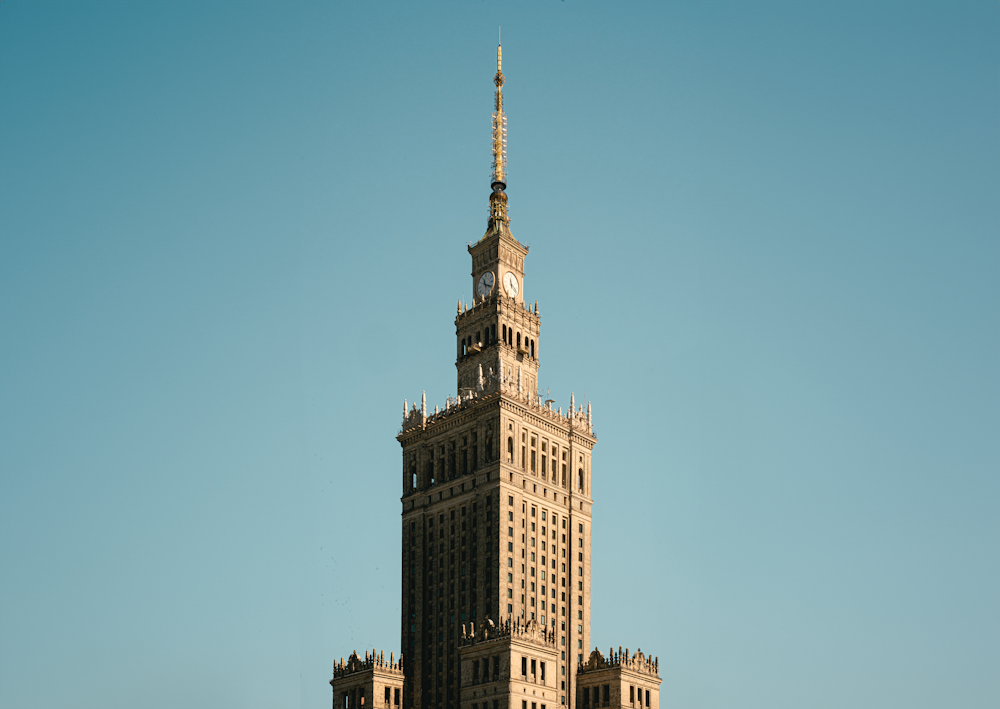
(496, 518)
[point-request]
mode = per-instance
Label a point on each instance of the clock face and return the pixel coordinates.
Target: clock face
(510, 283)
(485, 284)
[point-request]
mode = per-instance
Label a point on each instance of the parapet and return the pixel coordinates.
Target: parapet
(493, 382)
(515, 629)
(637, 662)
(373, 661)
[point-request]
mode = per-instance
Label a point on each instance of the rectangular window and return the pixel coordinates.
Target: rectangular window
(524, 666)
(631, 694)
(542, 673)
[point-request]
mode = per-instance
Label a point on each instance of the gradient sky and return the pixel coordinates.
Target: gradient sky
(765, 241)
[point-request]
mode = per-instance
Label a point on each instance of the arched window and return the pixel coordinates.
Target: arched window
(518, 340)
(478, 339)
(504, 331)
(532, 349)
(579, 480)
(510, 450)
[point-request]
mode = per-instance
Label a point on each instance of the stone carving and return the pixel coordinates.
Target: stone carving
(637, 662)
(375, 660)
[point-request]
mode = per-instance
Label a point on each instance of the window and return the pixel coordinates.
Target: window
(524, 669)
(631, 694)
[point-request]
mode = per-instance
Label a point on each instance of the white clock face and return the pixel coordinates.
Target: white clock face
(510, 283)
(485, 284)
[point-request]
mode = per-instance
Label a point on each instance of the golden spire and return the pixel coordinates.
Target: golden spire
(499, 220)
(499, 129)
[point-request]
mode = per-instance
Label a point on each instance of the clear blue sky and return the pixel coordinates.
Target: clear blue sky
(765, 241)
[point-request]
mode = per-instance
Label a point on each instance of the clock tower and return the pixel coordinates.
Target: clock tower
(496, 502)
(496, 521)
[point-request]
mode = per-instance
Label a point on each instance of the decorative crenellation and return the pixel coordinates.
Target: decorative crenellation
(515, 628)
(470, 311)
(510, 384)
(637, 662)
(374, 661)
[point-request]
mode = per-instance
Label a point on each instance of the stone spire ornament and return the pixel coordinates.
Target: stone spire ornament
(423, 404)
(479, 379)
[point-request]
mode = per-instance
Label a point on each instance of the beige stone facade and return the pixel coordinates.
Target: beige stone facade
(496, 511)
(371, 682)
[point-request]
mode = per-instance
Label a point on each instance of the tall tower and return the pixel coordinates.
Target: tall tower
(496, 506)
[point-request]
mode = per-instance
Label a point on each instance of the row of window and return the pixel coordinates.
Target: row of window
(552, 460)
(486, 676)
(513, 339)
(355, 698)
(600, 696)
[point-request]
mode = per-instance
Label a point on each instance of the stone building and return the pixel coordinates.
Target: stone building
(496, 520)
